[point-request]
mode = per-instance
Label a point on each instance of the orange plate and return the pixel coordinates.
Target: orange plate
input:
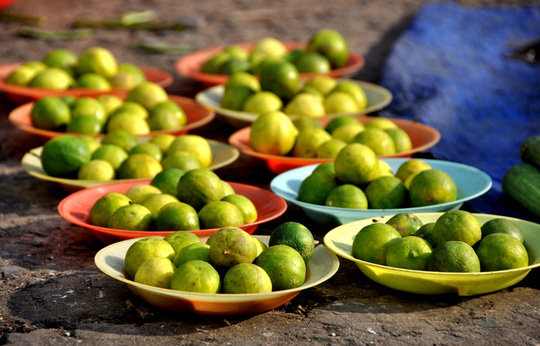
(190, 65)
(23, 94)
(422, 137)
(196, 114)
(75, 208)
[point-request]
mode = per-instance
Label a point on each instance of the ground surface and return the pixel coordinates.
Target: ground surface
(52, 293)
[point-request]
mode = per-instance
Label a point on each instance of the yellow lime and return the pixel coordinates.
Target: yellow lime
(96, 170)
(139, 166)
(356, 164)
(411, 167)
(105, 206)
(53, 78)
(308, 141)
(148, 149)
(154, 203)
(340, 102)
(385, 169)
(246, 278)
(88, 106)
(133, 70)
(123, 80)
(194, 251)
(355, 90)
(148, 94)
(305, 104)
(92, 143)
(128, 122)
(230, 246)
(163, 141)
(347, 132)
(144, 249)
(323, 84)
(195, 145)
(262, 102)
(22, 75)
(139, 193)
(155, 272)
(245, 79)
(97, 60)
(181, 160)
(405, 223)
(93, 81)
(305, 121)
(330, 149)
(376, 139)
(123, 139)
(180, 239)
(111, 153)
(131, 107)
(110, 102)
(341, 120)
(273, 133)
(166, 115)
(401, 139)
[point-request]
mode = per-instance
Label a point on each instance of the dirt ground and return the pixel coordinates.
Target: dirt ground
(50, 289)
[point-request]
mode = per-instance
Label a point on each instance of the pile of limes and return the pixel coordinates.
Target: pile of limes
(95, 68)
(325, 50)
(455, 242)
(231, 261)
(146, 108)
(275, 133)
(120, 155)
(358, 180)
(175, 200)
(280, 89)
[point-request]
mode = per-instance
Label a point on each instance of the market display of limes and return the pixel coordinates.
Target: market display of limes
(458, 245)
(146, 108)
(123, 156)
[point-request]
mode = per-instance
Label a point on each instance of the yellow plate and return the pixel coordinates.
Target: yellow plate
(340, 239)
(378, 98)
(110, 260)
(223, 155)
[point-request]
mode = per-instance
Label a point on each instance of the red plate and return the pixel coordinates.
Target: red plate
(75, 208)
(196, 114)
(190, 65)
(422, 137)
(23, 94)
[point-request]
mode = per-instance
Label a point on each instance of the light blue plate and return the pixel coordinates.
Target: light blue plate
(471, 183)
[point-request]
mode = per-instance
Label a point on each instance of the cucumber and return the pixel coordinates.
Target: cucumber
(522, 183)
(530, 151)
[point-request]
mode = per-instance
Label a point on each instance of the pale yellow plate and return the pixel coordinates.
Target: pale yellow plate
(378, 98)
(110, 260)
(223, 155)
(340, 240)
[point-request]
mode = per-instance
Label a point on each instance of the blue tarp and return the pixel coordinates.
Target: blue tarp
(449, 70)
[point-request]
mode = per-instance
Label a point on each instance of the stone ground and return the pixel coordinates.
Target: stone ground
(52, 293)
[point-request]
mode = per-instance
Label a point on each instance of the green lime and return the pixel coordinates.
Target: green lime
(355, 90)
(324, 84)
(112, 153)
(181, 160)
(154, 203)
(123, 139)
(123, 80)
(262, 102)
(426, 232)
(347, 196)
(93, 81)
(167, 180)
(312, 62)
(230, 246)
(372, 241)
(149, 149)
(295, 235)
(196, 276)
(282, 78)
(401, 139)
(305, 104)
(131, 217)
(92, 143)
(87, 106)
(330, 149)
(213, 64)
(306, 121)
(501, 251)
(431, 187)
(62, 156)
(410, 167)
(339, 121)
(177, 216)
(195, 251)
(356, 164)
(454, 256)
(457, 225)
(409, 252)
(235, 96)
(332, 45)
(243, 78)
(198, 187)
(22, 75)
(316, 187)
(284, 265)
(347, 132)
(50, 113)
(128, 122)
(386, 192)
(308, 141)
(234, 65)
(376, 139)
(86, 124)
(246, 278)
(325, 167)
(405, 223)
(134, 70)
(500, 225)
(181, 239)
(273, 133)
(196, 145)
(60, 57)
(167, 115)
(105, 206)
(163, 141)
(340, 102)
(219, 214)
